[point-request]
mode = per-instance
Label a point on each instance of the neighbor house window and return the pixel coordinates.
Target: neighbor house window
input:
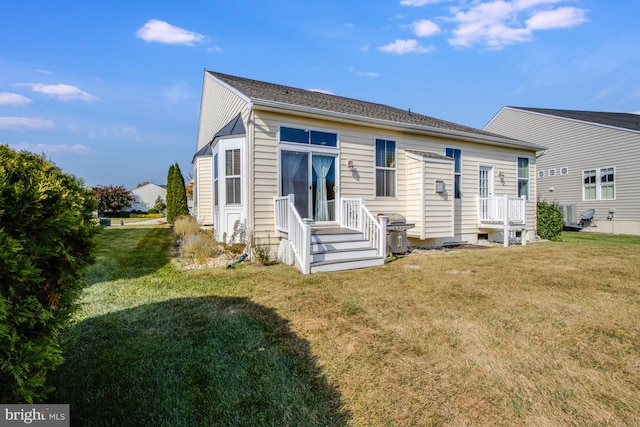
(215, 180)
(232, 176)
(523, 177)
(456, 154)
(313, 137)
(386, 168)
(599, 184)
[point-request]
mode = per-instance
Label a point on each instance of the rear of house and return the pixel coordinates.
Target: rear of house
(340, 163)
(590, 163)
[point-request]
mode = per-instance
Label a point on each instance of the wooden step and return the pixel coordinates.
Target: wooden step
(340, 245)
(352, 264)
(343, 254)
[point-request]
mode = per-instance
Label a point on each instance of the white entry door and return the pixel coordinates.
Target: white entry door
(485, 183)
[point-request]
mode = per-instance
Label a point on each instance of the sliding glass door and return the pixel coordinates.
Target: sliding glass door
(311, 178)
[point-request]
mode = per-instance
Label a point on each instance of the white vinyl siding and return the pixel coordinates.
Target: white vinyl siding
(218, 107)
(431, 212)
(204, 205)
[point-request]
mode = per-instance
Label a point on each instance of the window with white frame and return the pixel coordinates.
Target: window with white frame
(456, 154)
(215, 180)
(312, 137)
(523, 177)
(599, 184)
(232, 176)
(386, 168)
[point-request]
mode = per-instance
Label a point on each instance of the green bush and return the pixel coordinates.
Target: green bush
(550, 219)
(176, 194)
(46, 238)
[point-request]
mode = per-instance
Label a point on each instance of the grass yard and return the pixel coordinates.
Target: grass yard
(544, 335)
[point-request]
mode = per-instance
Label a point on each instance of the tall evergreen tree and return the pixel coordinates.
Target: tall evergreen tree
(176, 194)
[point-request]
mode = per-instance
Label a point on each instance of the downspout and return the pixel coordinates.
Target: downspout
(250, 197)
(251, 219)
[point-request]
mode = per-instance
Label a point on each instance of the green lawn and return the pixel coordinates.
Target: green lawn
(545, 334)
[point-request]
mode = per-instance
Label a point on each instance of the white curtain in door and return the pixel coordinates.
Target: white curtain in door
(290, 164)
(321, 166)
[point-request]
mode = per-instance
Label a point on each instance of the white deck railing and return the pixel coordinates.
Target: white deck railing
(288, 220)
(503, 212)
(355, 216)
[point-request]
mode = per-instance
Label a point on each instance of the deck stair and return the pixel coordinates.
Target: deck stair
(336, 249)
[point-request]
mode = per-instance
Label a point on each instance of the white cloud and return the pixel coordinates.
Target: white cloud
(560, 18)
(22, 123)
(160, 31)
(178, 92)
(500, 23)
(8, 98)
(41, 71)
(61, 91)
(418, 3)
(636, 112)
(216, 49)
(401, 47)
(425, 28)
(54, 148)
(363, 73)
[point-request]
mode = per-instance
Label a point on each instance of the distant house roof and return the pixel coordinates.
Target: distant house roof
(275, 93)
(620, 120)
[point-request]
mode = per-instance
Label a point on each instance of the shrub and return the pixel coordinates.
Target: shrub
(176, 194)
(185, 226)
(200, 247)
(46, 238)
(550, 219)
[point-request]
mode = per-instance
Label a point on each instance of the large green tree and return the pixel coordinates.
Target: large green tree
(46, 239)
(176, 194)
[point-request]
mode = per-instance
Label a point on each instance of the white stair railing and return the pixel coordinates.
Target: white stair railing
(288, 220)
(354, 215)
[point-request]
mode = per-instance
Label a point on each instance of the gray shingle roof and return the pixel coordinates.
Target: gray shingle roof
(619, 120)
(258, 90)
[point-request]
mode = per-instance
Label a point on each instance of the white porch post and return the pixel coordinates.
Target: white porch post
(523, 235)
(306, 245)
(360, 214)
(506, 220)
(382, 249)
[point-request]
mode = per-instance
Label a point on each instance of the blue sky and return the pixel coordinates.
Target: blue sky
(110, 91)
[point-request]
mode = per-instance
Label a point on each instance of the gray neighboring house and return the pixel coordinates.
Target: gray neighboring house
(591, 161)
(145, 196)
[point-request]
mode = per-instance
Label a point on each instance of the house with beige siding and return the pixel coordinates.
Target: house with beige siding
(591, 162)
(327, 181)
